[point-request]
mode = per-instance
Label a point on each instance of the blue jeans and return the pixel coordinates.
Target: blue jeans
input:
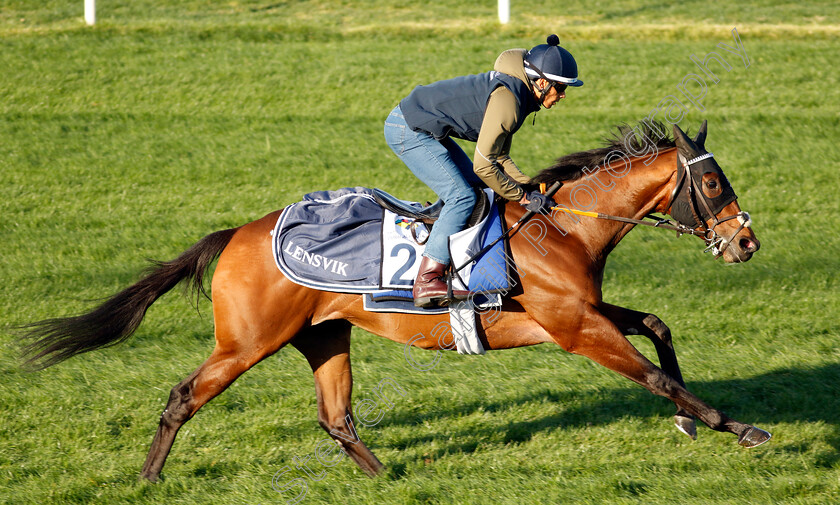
(443, 166)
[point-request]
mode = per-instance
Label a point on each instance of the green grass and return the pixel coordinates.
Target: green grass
(166, 121)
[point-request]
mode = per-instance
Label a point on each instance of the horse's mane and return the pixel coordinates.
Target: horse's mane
(624, 141)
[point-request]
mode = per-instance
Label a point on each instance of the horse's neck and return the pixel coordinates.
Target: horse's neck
(645, 188)
(630, 192)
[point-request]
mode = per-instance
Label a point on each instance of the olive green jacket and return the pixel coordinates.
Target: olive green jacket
(492, 162)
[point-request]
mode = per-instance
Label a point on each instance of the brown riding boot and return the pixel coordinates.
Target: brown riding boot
(429, 286)
(430, 289)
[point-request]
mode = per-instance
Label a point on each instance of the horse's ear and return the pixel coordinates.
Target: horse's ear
(700, 139)
(686, 146)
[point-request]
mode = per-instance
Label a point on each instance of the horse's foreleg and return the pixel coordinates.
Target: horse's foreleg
(632, 322)
(326, 347)
(600, 340)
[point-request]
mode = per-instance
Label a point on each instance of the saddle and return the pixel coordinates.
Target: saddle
(428, 215)
(342, 241)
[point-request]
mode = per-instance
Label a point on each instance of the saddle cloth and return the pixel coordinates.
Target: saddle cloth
(343, 241)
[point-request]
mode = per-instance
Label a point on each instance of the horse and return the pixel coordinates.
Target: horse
(556, 296)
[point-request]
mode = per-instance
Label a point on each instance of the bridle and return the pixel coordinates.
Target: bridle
(683, 194)
(687, 195)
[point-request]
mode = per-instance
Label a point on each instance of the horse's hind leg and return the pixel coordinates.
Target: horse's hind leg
(632, 322)
(327, 348)
(189, 395)
(239, 346)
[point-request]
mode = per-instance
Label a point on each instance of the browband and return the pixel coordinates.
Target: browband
(699, 158)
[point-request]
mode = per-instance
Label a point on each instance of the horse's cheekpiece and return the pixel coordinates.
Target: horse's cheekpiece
(701, 192)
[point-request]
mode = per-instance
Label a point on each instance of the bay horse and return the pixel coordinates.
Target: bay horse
(559, 267)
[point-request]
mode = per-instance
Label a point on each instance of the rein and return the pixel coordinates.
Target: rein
(714, 242)
(656, 222)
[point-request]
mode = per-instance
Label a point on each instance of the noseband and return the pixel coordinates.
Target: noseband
(695, 216)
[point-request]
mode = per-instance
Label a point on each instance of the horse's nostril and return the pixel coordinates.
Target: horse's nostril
(749, 245)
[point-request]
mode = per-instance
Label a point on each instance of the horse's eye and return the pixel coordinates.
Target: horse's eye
(712, 184)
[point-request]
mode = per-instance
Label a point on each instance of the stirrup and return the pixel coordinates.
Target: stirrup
(429, 302)
(454, 295)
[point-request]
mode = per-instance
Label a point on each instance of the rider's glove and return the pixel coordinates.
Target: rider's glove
(538, 202)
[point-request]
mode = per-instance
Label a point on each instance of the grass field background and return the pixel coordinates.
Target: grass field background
(169, 120)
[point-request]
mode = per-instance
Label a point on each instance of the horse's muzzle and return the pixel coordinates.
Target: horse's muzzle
(741, 249)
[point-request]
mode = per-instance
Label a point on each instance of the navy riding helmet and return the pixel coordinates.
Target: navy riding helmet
(553, 63)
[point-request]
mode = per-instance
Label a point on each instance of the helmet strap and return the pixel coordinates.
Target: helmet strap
(542, 91)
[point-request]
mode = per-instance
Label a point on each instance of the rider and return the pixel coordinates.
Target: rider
(487, 109)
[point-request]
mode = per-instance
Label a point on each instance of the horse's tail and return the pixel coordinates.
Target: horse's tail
(55, 340)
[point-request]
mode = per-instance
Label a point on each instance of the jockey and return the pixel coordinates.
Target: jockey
(484, 108)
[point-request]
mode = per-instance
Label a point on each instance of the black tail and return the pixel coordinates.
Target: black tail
(118, 317)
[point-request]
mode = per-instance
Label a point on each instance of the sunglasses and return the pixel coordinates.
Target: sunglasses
(559, 86)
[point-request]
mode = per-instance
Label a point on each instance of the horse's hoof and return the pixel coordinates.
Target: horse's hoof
(753, 437)
(686, 425)
(148, 477)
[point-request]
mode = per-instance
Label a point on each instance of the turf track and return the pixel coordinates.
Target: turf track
(169, 120)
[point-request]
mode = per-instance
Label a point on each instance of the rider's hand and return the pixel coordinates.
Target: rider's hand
(537, 202)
